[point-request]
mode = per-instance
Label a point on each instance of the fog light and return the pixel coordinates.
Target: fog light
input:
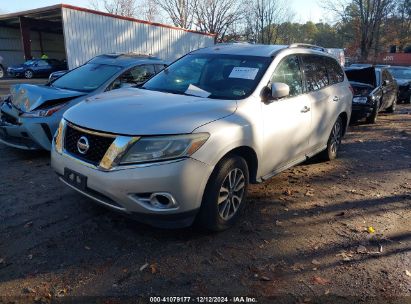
(155, 201)
(162, 200)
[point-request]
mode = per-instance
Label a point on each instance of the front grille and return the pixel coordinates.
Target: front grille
(98, 145)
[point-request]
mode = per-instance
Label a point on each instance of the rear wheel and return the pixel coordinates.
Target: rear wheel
(28, 74)
(224, 196)
(334, 141)
(2, 73)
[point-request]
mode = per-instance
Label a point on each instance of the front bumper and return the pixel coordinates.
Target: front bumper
(26, 133)
(14, 73)
(121, 189)
(361, 111)
(404, 94)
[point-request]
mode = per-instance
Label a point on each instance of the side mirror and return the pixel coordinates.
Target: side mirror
(279, 90)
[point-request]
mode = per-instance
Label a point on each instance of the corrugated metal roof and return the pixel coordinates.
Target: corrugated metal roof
(48, 11)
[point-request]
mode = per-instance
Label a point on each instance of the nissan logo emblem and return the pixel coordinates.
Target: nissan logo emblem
(83, 145)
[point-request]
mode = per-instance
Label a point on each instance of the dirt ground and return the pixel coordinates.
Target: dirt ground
(333, 232)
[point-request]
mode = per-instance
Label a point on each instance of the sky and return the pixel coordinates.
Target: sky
(304, 10)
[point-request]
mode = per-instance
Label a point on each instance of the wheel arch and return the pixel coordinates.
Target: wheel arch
(250, 156)
(344, 118)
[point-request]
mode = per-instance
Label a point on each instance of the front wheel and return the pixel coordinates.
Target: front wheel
(28, 74)
(224, 196)
(372, 119)
(391, 109)
(334, 141)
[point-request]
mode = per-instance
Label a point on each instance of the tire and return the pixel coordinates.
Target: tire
(391, 109)
(373, 118)
(28, 74)
(334, 141)
(2, 72)
(218, 216)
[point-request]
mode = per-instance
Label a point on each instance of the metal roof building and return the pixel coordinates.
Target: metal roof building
(77, 34)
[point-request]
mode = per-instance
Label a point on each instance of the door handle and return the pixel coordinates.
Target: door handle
(305, 109)
(336, 98)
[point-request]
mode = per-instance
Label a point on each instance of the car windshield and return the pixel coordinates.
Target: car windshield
(401, 73)
(30, 62)
(211, 75)
(86, 78)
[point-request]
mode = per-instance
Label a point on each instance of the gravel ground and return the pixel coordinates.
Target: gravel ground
(317, 233)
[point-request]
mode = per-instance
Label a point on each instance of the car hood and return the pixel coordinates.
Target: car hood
(402, 82)
(142, 112)
(28, 97)
(14, 67)
(362, 75)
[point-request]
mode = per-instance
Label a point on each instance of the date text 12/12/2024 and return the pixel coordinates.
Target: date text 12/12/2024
(203, 300)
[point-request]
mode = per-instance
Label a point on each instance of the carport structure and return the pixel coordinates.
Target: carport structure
(28, 34)
(77, 34)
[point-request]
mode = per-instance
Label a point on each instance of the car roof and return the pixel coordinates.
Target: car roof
(241, 49)
(261, 50)
(126, 59)
(399, 67)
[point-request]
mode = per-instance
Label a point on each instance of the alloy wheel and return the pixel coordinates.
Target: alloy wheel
(28, 74)
(336, 137)
(231, 194)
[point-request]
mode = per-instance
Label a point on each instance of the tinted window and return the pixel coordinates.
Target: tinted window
(315, 72)
(214, 75)
(138, 74)
(288, 72)
(86, 78)
(335, 72)
(42, 63)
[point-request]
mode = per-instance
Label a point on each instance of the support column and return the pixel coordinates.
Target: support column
(25, 37)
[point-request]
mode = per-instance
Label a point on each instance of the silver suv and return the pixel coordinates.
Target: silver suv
(184, 147)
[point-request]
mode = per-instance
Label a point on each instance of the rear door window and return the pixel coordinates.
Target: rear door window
(335, 72)
(315, 72)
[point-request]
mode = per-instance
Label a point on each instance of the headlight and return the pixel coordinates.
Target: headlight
(158, 148)
(360, 100)
(58, 137)
(43, 113)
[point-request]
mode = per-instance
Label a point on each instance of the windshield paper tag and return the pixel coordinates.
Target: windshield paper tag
(244, 73)
(196, 91)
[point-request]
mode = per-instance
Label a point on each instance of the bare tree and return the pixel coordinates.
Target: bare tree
(263, 19)
(369, 15)
(179, 11)
(217, 16)
(149, 10)
(118, 7)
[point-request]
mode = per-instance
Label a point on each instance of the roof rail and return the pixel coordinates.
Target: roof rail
(308, 46)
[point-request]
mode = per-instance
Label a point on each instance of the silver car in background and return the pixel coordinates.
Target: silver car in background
(184, 147)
